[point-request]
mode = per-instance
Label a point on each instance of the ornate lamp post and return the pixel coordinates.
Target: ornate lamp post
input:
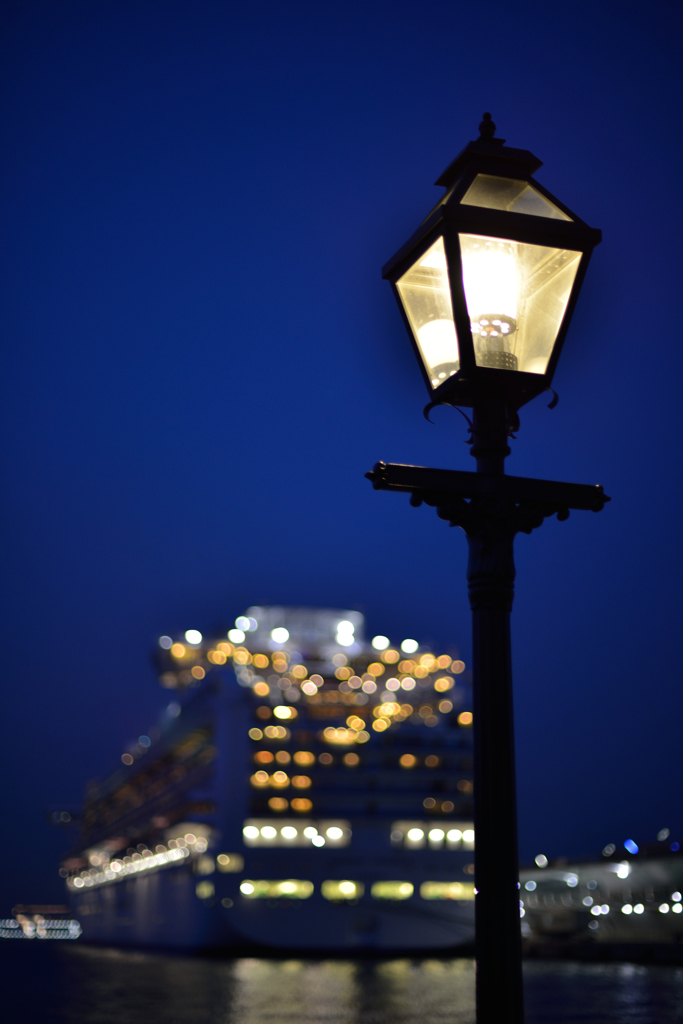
(487, 287)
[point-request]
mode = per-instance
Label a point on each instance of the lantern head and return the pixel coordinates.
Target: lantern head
(488, 283)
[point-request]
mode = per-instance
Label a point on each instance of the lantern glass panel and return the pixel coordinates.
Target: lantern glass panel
(426, 298)
(495, 193)
(517, 295)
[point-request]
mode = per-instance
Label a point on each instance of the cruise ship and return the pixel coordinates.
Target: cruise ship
(304, 789)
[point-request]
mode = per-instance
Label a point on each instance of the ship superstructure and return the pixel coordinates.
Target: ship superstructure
(303, 789)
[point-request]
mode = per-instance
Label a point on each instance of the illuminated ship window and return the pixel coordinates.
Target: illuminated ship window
(447, 835)
(291, 888)
(342, 890)
(392, 890)
(332, 834)
(447, 890)
(230, 862)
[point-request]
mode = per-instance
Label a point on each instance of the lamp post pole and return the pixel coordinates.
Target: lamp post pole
(490, 577)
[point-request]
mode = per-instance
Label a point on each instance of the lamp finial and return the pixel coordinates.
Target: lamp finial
(487, 128)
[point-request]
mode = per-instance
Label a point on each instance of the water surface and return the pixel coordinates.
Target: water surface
(74, 984)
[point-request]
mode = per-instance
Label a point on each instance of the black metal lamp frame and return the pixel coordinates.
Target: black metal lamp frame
(491, 508)
(448, 219)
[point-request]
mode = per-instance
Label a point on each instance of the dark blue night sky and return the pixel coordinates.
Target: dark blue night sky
(202, 361)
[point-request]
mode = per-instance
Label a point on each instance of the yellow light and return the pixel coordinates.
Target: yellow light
(380, 724)
(407, 761)
(390, 657)
(255, 734)
(465, 718)
(216, 657)
(343, 672)
(284, 711)
(376, 669)
(227, 649)
(301, 806)
(443, 684)
(354, 722)
(443, 661)
(278, 803)
(445, 706)
(406, 666)
(241, 656)
(351, 759)
(205, 890)
(301, 781)
(198, 672)
(178, 650)
(304, 757)
(260, 661)
(431, 761)
(341, 890)
(447, 890)
(362, 737)
(283, 757)
(299, 671)
(261, 689)
(126, 758)
(392, 890)
(259, 779)
(263, 756)
(279, 779)
(457, 667)
(263, 712)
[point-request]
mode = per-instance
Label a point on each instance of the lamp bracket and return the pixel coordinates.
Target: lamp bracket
(474, 501)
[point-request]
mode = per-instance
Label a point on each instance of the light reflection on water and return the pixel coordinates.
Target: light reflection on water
(85, 985)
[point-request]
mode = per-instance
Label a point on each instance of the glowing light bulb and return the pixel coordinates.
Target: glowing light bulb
(491, 280)
(439, 346)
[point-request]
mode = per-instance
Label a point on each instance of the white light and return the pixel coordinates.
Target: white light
(596, 910)
(677, 908)
(380, 643)
(522, 911)
(627, 908)
(623, 869)
(587, 901)
(334, 833)
(309, 688)
(541, 860)
(604, 908)
(289, 832)
(247, 888)
(638, 909)
(193, 636)
(676, 897)
(415, 835)
(409, 646)
(242, 622)
(530, 886)
(347, 888)
(173, 709)
(310, 832)
(454, 835)
(439, 345)
(318, 841)
(572, 881)
(345, 639)
(236, 636)
(436, 835)
(468, 835)
(491, 282)
(280, 635)
(268, 832)
(165, 642)
(663, 908)
(345, 626)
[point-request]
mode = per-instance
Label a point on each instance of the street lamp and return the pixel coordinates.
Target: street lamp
(488, 283)
(487, 286)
